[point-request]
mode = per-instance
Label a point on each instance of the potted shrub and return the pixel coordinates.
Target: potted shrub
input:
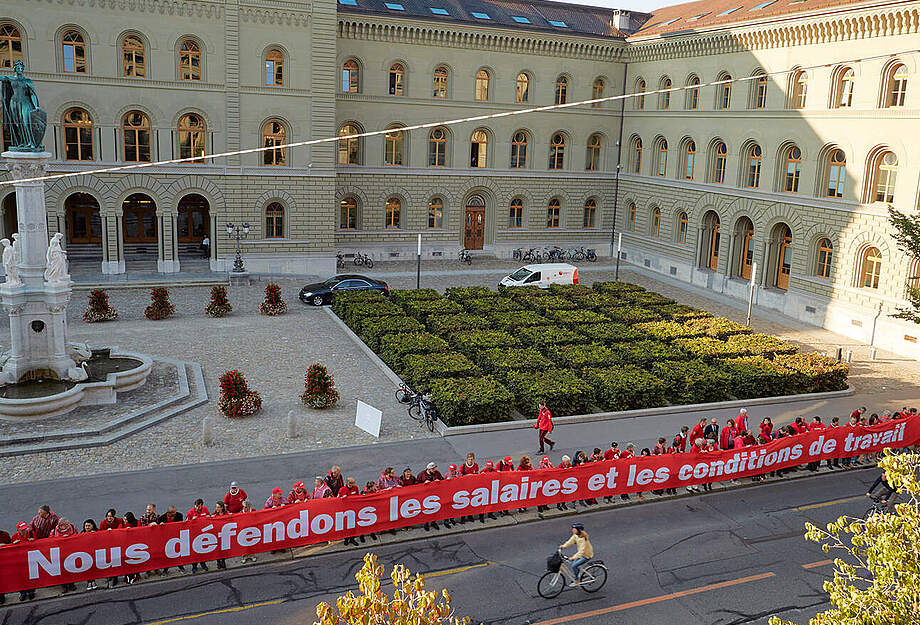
(319, 388)
(99, 308)
(160, 306)
(236, 399)
(273, 304)
(219, 306)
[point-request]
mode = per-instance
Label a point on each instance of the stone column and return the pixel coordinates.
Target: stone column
(113, 259)
(168, 261)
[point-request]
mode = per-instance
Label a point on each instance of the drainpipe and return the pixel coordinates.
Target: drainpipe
(616, 180)
(874, 323)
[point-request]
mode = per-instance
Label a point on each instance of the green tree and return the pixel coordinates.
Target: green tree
(877, 572)
(907, 234)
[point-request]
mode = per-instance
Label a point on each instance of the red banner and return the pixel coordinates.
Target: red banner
(103, 554)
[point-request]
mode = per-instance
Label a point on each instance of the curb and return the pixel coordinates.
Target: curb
(367, 351)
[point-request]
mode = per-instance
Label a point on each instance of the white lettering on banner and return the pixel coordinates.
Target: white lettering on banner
(180, 547)
(248, 537)
(367, 516)
(226, 533)
(205, 542)
(136, 553)
(52, 564)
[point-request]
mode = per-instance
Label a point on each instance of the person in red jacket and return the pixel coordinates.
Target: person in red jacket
(697, 431)
(470, 467)
(111, 521)
(681, 438)
(544, 426)
(727, 437)
(661, 447)
(234, 498)
(23, 534)
(741, 423)
(298, 494)
(506, 464)
(766, 428)
(613, 452)
(275, 500)
(799, 425)
(431, 474)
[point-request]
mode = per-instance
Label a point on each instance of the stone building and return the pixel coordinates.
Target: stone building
(788, 164)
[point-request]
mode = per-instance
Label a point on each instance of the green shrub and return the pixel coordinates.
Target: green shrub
(393, 347)
(617, 287)
(668, 330)
(518, 292)
(345, 299)
(564, 392)
(760, 345)
(546, 336)
(693, 381)
(629, 314)
(581, 356)
(472, 341)
(647, 352)
(500, 359)
(420, 369)
(411, 295)
(611, 332)
(517, 319)
(551, 302)
(445, 324)
(649, 299)
(597, 301)
(465, 401)
(625, 387)
(355, 313)
(422, 309)
(461, 293)
(823, 373)
(483, 305)
(371, 329)
(708, 348)
(717, 327)
(682, 312)
(755, 376)
(570, 290)
(574, 317)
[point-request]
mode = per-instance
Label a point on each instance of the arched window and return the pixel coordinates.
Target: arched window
(711, 241)
(631, 217)
(351, 76)
(348, 214)
(274, 134)
(870, 268)
(656, 223)
(553, 211)
(516, 213)
(593, 159)
(913, 275)
(437, 148)
(274, 68)
(885, 176)
(844, 88)
(640, 99)
(393, 213)
(394, 147)
(662, 155)
(557, 151)
(522, 88)
(435, 212)
(133, 57)
(724, 92)
(189, 60)
(693, 93)
(135, 127)
(744, 232)
(481, 91)
(10, 46)
(799, 90)
(682, 225)
(192, 137)
(439, 88)
(719, 160)
(519, 150)
(274, 221)
(479, 148)
(589, 217)
(597, 91)
(836, 173)
(349, 149)
(397, 79)
(73, 50)
(665, 102)
(637, 155)
(783, 235)
(689, 160)
(824, 258)
(759, 100)
(560, 96)
(754, 158)
(897, 86)
(793, 169)
(78, 135)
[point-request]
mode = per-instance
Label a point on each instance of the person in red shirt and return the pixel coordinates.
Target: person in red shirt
(544, 426)
(348, 489)
(697, 431)
(470, 467)
(741, 423)
(369, 489)
(22, 534)
(816, 424)
(507, 464)
(728, 435)
(220, 510)
(629, 452)
(766, 428)
(407, 479)
(661, 447)
(298, 494)
(489, 467)
(431, 474)
(275, 500)
(196, 511)
(234, 498)
(63, 529)
(545, 463)
(681, 438)
(111, 521)
(799, 425)
(613, 452)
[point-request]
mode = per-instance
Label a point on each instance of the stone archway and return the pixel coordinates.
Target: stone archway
(193, 227)
(474, 223)
(780, 256)
(83, 225)
(743, 261)
(10, 220)
(710, 241)
(140, 229)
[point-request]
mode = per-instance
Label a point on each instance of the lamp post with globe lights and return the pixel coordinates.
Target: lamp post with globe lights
(238, 232)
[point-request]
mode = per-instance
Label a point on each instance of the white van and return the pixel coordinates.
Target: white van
(542, 275)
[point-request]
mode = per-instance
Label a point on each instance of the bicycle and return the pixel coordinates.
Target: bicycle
(363, 259)
(339, 260)
(464, 257)
(531, 255)
(591, 577)
(404, 394)
(877, 506)
(517, 254)
(590, 254)
(421, 409)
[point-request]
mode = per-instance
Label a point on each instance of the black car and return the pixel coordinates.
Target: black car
(324, 292)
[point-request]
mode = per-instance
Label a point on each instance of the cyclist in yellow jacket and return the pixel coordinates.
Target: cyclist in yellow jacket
(584, 551)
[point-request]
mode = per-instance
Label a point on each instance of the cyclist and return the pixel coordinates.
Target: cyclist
(886, 496)
(584, 550)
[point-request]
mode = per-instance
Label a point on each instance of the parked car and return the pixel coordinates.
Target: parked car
(542, 275)
(324, 292)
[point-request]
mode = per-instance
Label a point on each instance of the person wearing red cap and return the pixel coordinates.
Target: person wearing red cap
(506, 464)
(24, 534)
(544, 427)
(298, 494)
(275, 500)
(234, 498)
(489, 468)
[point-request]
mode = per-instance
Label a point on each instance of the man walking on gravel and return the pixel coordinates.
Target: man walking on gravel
(544, 426)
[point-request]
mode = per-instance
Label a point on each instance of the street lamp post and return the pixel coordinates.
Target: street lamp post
(239, 232)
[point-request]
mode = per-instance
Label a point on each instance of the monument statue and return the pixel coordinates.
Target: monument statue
(22, 116)
(56, 260)
(10, 263)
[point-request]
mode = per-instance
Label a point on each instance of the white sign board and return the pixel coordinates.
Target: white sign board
(368, 419)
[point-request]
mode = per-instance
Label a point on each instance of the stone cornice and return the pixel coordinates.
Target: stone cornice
(407, 31)
(280, 13)
(197, 9)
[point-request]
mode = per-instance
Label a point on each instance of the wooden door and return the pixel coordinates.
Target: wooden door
(747, 254)
(784, 262)
(714, 246)
(474, 229)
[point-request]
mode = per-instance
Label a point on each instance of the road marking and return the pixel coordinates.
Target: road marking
(309, 551)
(658, 599)
(459, 569)
(813, 565)
(223, 611)
(828, 503)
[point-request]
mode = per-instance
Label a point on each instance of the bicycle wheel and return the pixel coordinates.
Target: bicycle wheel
(468, 260)
(358, 261)
(592, 578)
(429, 420)
(415, 412)
(579, 255)
(550, 585)
(368, 262)
(871, 512)
(402, 396)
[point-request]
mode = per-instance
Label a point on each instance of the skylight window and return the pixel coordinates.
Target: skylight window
(696, 17)
(481, 16)
(437, 11)
(521, 20)
(763, 5)
(670, 21)
(395, 6)
(558, 24)
(350, 3)
(727, 11)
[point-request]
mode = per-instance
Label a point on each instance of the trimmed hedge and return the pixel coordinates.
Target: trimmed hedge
(410, 295)
(668, 330)
(581, 356)
(371, 329)
(570, 290)
(649, 299)
(647, 352)
(760, 345)
(517, 319)
(500, 359)
(708, 348)
(717, 327)
(461, 293)
(446, 324)
(693, 381)
(629, 314)
(518, 292)
(574, 317)
(823, 373)
(355, 313)
(682, 312)
(562, 389)
(546, 336)
(617, 287)
(347, 298)
(471, 341)
(755, 376)
(551, 302)
(420, 369)
(625, 388)
(465, 401)
(611, 332)
(423, 308)
(393, 347)
(483, 305)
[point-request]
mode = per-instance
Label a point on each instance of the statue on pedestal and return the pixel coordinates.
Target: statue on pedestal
(10, 264)
(22, 116)
(56, 261)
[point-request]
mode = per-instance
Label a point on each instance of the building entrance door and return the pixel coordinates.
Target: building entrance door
(475, 224)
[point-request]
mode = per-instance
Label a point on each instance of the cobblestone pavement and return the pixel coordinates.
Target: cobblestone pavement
(274, 353)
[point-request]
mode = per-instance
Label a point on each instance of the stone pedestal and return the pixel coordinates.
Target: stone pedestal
(37, 309)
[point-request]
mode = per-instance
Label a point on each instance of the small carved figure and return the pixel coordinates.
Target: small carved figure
(56, 261)
(9, 263)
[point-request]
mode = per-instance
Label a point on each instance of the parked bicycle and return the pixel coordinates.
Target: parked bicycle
(404, 394)
(590, 254)
(464, 256)
(363, 259)
(532, 255)
(421, 409)
(591, 577)
(518, 254)
(339, 260)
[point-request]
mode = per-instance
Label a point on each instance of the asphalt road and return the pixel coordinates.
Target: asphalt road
(720, 559)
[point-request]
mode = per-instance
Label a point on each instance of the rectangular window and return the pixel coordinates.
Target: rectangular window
(481, 16)
(438, 11)
(350, 3)
(516, 214)
(435, 214)
(792, 177)
(558, 23)
(394, 6)
(520, 20)
(729, 11)
(688, 172)
(836, 178)
(763, 5)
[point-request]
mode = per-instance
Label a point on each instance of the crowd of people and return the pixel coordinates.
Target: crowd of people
(704, 437)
